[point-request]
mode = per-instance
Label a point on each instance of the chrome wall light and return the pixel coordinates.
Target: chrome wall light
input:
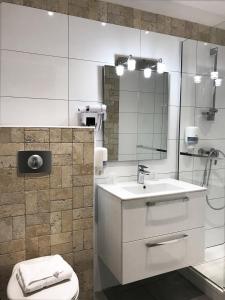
(142, 64)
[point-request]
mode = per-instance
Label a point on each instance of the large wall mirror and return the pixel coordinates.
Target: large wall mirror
(137, 122)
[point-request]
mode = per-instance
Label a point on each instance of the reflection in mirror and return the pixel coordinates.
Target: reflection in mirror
(137, 122)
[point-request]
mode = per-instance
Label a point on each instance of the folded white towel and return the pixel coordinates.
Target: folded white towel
(41, 272)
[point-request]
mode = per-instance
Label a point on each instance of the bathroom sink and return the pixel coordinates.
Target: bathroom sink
(151, 188)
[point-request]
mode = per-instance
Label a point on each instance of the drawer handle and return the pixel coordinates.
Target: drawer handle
(150, 245)
(154, 203)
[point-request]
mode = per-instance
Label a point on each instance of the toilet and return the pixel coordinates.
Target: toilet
(65, 290)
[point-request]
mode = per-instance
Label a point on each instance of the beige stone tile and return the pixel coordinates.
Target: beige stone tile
(88, 196)
(67, 220)
(78, 8)
(5, 135)
(82, 180)
(66, 176)
(62, 248)
(82, 213)
(61, 148)
(67, 135)
(6, 229)
(78, 197)
(31, 247)
(17, 135)
(41, 136)
(12, 198)
(31, 202)
(78, 153)
(12, 258)
(61, 238)
(10, 148)
(87, 169)
(12, 246)
(36, 183)
(62, 160)
(43, 200)
(83, 135)
(56, 178)
(58, 205)
(88, 239)
(77, 169)
(68, 258)
(8, 161)
(38, 219)
(55, 135)
(56, 222)
(44, 241)
(12, 210)
(83, 260)
(36, 146)
(18, 227)
(60, 194)
(82, 224)
(57, 6)
(78, 240)
(10, 182)
(37, 230)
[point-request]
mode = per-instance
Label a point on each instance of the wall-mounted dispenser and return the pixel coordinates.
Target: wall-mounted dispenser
(36, 162)
(93, 115)
(101, 157)
(191, 136)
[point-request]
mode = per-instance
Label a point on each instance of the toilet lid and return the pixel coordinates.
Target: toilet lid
(65, 290)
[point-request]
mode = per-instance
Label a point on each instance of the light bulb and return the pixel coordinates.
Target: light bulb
(119, 70)
(50, 13)
(147, 72)
(131, 63)
(214, 75)
(218, 82)
(197, 79)
(161, 67)
(103, 24)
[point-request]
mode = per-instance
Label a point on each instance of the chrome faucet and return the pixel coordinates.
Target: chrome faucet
(141, 173)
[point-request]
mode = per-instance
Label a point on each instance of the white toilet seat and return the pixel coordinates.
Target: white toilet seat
(66, 290)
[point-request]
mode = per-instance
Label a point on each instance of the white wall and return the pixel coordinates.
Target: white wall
(197, 98)
(51, 65)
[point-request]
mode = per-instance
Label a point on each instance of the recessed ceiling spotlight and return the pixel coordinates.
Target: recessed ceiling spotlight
(205, 44)
(197, 79)
(146, 32)
(218, 82)
(214, 75)
(131, 63)
(103, 24)
(119, 70)
(50, 13)
(147, 72)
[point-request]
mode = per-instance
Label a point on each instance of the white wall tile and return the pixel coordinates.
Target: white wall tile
(146, 123)
(33, 112)
(129, 101)
(127, 143)
(214, 236)
(187, 119)
(188, 90)
(205, 61)
(33, 76)
(189, 56)
(157, 45)
(204, 92)
(174, 88)
(90, 40)
(214, 218)
(173, 124)
(33, 30)
(128, 122)
(85, 80)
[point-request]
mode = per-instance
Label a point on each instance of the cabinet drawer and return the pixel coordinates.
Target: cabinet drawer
(144, 218)
(153, 256)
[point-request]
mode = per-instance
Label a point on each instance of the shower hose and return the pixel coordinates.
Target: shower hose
(207, 173)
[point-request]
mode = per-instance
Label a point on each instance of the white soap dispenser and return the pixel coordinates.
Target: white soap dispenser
(191, 136)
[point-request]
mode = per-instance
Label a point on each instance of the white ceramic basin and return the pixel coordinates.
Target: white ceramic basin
(140, 189)
(153, 188)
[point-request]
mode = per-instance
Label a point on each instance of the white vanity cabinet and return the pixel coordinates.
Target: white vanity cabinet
(144, 237)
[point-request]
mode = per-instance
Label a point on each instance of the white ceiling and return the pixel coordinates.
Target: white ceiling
(211, 12)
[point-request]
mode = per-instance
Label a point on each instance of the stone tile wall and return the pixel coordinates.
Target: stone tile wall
(44, 215)
(126, 16)
(111, 125)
